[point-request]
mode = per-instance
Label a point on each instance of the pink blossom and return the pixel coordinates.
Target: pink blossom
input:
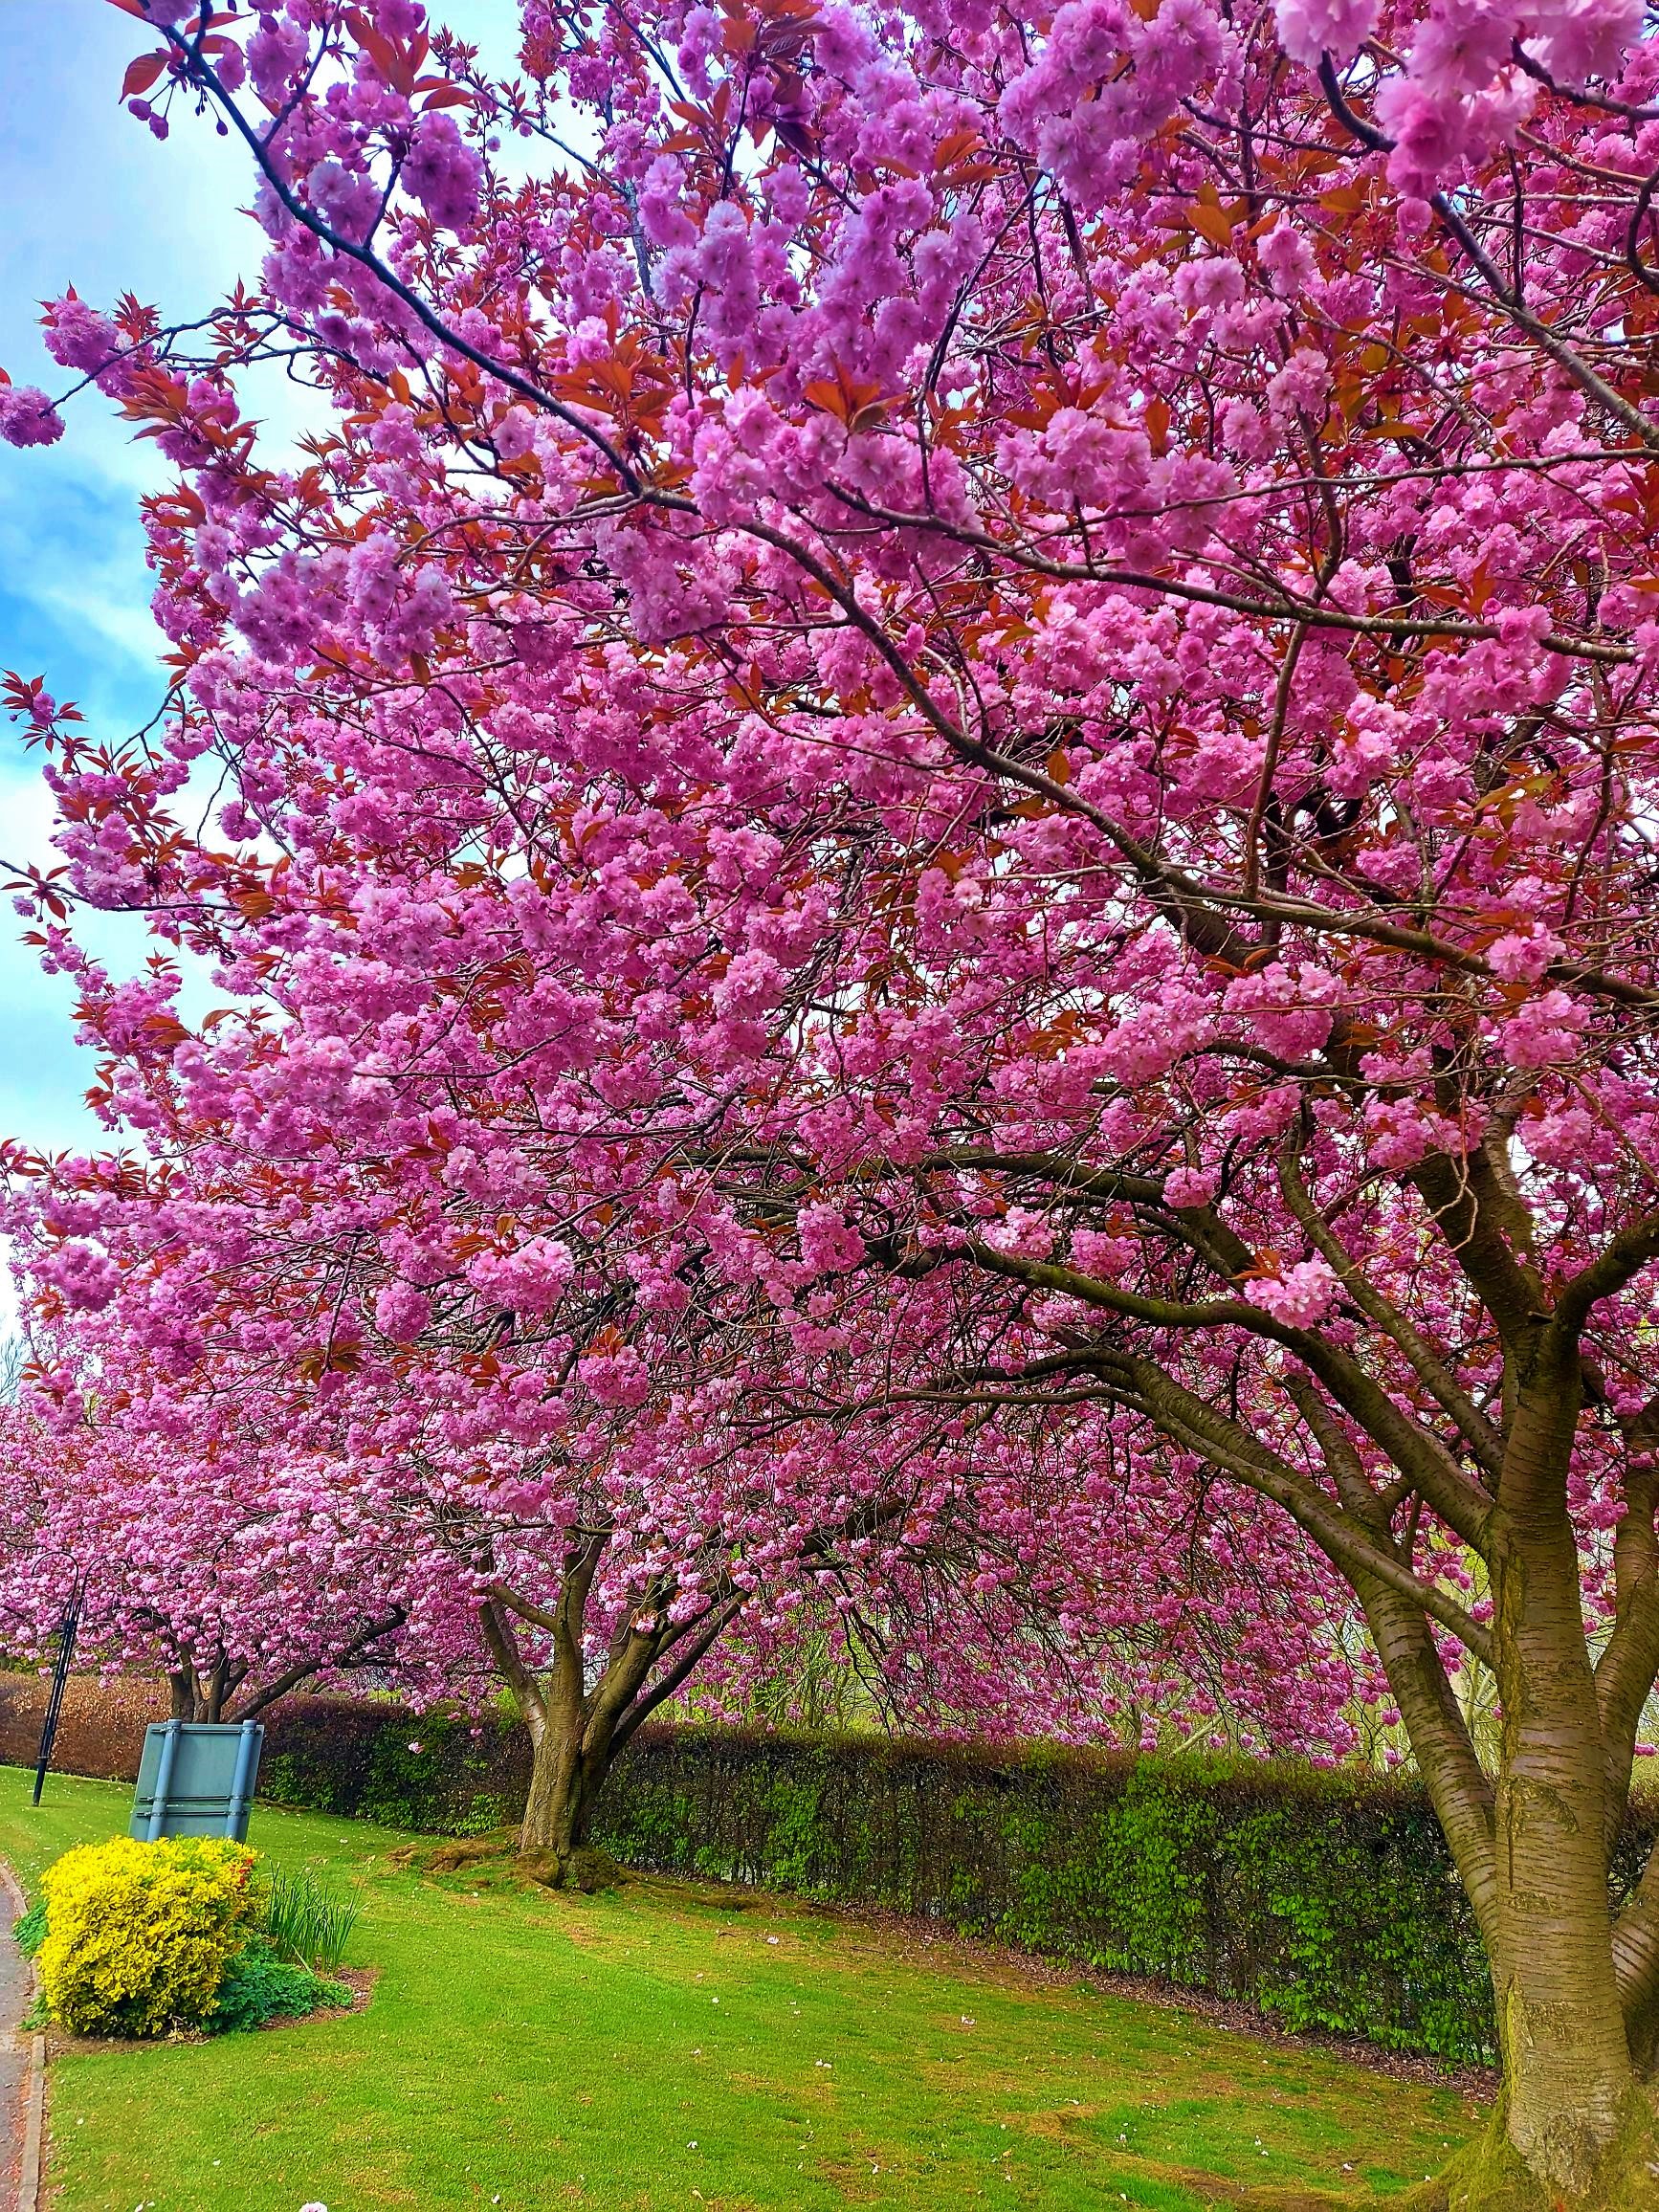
(1545, 1031)
(1288, 259)
(442, 172)
(1289, 1012)
(1024, 1231)
(401, 1312)
(828, 1243)
(77, 336)
(1578, 39)
(86, 1275)
(1437, 127)
(1521, 956)
(1310, 28)
(1301, 1296)
(28, 416)
(1185, 1187)
(1100, 1254)
(531, 1279)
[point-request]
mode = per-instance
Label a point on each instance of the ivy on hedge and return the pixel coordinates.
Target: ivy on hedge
(439, 1772)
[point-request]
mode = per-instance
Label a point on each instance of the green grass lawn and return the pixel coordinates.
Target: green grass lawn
(663, 2048)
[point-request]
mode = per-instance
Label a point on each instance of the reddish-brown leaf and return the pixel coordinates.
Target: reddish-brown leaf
(141, 74)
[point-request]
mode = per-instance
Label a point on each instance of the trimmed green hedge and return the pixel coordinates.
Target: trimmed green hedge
(1327, 1900)
(441, 1773)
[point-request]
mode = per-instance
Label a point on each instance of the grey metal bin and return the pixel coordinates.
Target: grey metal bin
(196, 1779)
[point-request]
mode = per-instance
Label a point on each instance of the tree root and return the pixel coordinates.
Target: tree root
(1490, 2175)
(584, 1869)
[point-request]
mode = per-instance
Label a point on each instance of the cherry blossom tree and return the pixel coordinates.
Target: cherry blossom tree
(967, 689)
(234, 1565)
(522, 1496)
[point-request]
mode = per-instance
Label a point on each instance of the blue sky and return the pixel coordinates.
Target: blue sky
(91, 199)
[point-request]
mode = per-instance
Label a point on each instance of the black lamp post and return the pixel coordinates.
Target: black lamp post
(67, 1629)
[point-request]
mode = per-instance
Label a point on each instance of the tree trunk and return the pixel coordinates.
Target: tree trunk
(1576, 2122)
(1492, 2175)
(1569, 2082)
(1576, 2125)
(202, 1697)
(569, 1767)
(577, 1731)
(572, 1730)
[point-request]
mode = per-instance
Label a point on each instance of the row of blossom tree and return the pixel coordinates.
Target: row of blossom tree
(930, 861)
(437, 1526)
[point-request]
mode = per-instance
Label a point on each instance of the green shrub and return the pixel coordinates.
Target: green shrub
(259, 1988)
(140, 1939)
(139, 1935)
(28, 1928)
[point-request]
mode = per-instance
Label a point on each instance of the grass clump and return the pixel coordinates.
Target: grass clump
(28, 1928)
(259, 1988)
(497, 1857)
(307, 1920)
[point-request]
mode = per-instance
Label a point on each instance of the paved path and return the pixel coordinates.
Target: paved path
(16, 2067)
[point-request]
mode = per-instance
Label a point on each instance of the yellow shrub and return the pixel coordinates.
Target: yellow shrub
(138, 1935)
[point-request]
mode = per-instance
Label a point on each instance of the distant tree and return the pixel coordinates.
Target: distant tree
(13, 1359)
(217, 1558)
